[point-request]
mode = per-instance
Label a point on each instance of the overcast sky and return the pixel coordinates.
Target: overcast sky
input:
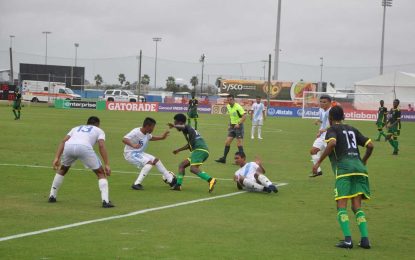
(344, 32)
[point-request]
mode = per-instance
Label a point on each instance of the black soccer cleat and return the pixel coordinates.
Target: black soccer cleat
(137, 187)
(176, 187)
(52, 199)
(221, 160)
(344, 244)
(273, 188)
(267, 190)
(107, 204)
(173, 182)
(364, 243)
(395, 153)
(315, 175)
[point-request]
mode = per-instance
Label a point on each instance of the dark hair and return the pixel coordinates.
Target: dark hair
(93, 120)
(241, 154)
(336, 113)
(258, 96)
(180, 118)
(397, 100)
(149, 121)
(231, 96)
(326, 97)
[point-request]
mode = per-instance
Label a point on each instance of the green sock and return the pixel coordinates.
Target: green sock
(343, 220)
(204, 176)
(195, 123)
(383, 134)
(392, 143)
(14, 112)
(189, 122)
(379, 135)
(396, 145)
(361, 222)
(18, 114)
(179, 177)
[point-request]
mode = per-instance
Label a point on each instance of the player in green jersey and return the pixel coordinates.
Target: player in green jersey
(199, 153)
(192, 110)
(17, 104)
(394, 126)
(350, 170)
(382, 117)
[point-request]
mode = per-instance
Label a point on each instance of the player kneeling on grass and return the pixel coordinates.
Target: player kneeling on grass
(136, 142)
(351, 173)
(78, 144)
(199, 153)
(251, 175)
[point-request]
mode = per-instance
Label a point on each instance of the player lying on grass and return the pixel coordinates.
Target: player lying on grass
(199, 153)
(251, 175)
(78, 144)
(136, 142)
(352, 180)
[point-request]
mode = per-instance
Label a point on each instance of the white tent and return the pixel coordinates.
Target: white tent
(400, 85)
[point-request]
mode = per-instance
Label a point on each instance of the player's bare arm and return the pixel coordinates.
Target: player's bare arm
(317, 122)
(104, 155)
(162, 137)
(176, 126)
(368, 153)
(129, 143)
(59, 151)
(261, 167)
(186, 147)
(327, 151)
(243, 118)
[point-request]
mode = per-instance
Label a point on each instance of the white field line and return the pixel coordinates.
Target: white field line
(134, 213)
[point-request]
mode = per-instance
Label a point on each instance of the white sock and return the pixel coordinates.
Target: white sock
(56, 184)
(264, 180)
(252, 131)
(143, 173)
(253, 186)
(167, 175)
(103, 187)
(259, 131)
(315, 158)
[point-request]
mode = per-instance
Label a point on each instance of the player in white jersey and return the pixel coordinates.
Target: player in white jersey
(78, 144)
(136, 142)
(251, 175)
(257, 117)
(319, 144)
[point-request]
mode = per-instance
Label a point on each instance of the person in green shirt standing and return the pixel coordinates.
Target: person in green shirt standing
(17, 104)
(236, 127)
(381, 122)
(192, 111)
(394, 126)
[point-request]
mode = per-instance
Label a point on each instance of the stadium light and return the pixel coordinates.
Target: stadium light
(156, 40)
(385, 3)
(46, 54)
(277, 42)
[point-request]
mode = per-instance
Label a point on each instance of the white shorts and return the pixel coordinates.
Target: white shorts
(87, 155)
(138, 159)
(258, 122)
(249, 176)
(320, 143)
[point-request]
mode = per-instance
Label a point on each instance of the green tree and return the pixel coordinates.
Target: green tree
(194, 81)
(145, 79)
(121, 78)
(98, 80)
(171, 84)
(127, 84)
(217, 82)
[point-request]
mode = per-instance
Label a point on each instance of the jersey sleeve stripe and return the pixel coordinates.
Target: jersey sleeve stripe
(330, 139)
(367, 142)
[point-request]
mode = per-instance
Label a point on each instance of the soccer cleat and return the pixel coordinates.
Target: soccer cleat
(137, 187)
(107, 204)
(267, 190)
(315, 175)
(173, 182)
(259, 137)
(176, 187)
(377, 140)
(395, 153)
(212, 184)
(52, 199)
(273, 188)
(344, 244)
(364, 243)
(221, 160)
(252, 137)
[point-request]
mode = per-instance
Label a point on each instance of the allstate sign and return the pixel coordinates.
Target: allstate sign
(284, 111)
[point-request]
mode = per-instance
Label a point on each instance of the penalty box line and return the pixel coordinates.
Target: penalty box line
(134, 213)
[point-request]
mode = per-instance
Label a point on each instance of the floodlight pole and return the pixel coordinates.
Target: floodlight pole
(139, 74)
(11, 59)
(202, 60)
(46, 53)
(321, 73)
(156, 40)
(269, 80)
(277, 42)
(385, 3)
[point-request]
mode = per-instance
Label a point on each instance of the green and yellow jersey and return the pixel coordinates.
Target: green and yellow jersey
(382, 115)
(394, 120)
(194, 139)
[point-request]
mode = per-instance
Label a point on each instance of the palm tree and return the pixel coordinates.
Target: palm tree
(98, 80)
(121, 78)
(145, 80)
(171, 84)
(194, 81)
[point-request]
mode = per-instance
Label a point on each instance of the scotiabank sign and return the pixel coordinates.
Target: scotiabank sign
(133, 106)
(367, 115)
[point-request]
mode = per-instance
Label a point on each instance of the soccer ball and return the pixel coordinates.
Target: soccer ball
(164, 178)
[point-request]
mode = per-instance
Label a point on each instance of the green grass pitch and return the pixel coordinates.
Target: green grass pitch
(297, 223)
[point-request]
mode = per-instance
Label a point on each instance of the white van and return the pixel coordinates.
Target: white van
(44, 91)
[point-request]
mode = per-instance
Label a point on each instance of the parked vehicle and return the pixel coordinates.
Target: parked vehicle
(122, 95)
(45, 91)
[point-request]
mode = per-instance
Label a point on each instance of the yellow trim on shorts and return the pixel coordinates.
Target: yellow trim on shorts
(192, 164)
(352, 196)
(352, 174)
(367, 142)
(330, 139)
(201, 150)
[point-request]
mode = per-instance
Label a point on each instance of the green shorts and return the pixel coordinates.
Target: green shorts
(192, 114)
(198, 156)
(380, 125)
(352, 186)
(17, 106)
(393, 130)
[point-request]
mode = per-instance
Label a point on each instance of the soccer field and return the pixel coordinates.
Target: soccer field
(298, 222)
